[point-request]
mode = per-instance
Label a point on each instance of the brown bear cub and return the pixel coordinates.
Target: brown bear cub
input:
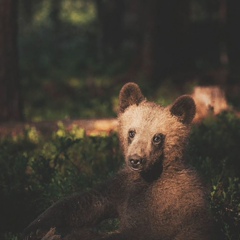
(156, 196)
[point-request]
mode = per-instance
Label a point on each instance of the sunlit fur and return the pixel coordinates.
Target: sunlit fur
(148, 119)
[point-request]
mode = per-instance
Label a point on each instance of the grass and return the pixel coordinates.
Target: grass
(36, 171)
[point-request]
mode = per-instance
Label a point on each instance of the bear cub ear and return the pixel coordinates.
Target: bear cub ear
(184, 109)
(130, 94)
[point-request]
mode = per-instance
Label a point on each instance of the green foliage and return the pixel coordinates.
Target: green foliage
(35, 171)
(78, 12)
(214, 150)
(61, 61)
(33, 176)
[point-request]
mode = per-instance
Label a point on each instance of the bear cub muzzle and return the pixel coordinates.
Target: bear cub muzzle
(136, 163)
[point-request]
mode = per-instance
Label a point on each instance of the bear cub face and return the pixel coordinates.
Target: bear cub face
(150, 133)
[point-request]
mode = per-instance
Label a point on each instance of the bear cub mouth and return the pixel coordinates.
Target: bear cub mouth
(136, 163)
(148, 172)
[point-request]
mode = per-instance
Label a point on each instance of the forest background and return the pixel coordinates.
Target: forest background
(68, 59)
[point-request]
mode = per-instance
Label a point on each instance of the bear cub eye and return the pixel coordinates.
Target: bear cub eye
(131, 133)
(158, 138)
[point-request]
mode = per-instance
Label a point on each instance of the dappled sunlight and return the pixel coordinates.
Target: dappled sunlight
(78, 12)
(105, 125)
(42, 13)
(73, 12)
(209, 100)
(76, 128)
(93, 127)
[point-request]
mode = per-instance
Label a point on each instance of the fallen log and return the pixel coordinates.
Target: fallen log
(91, 127)
(209, 100)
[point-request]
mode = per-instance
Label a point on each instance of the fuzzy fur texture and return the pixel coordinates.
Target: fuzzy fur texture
(156, 196)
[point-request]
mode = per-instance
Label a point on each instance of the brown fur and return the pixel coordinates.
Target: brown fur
(156, 195)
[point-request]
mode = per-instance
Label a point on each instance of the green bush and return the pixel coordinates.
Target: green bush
(214, 151)
(37, 171)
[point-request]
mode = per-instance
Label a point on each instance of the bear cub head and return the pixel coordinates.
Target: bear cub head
(152, 136)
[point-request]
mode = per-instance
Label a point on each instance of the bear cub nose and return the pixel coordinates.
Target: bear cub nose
(136, 163)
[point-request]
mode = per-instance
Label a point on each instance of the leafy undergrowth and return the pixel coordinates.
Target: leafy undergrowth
(214, 151)
(35, 171)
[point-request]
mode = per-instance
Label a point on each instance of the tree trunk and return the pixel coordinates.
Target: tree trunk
(27, 10)
(110, 15)
(171, 46)
(55, 15)
(9, 76)
(233, 37)
(160, 32)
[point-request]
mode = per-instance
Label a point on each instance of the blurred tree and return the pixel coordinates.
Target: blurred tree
(10, 108)
(232, 33)
(27, 8)
(168, 26)
(55, 11)
(110, 15)
(160, 35)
